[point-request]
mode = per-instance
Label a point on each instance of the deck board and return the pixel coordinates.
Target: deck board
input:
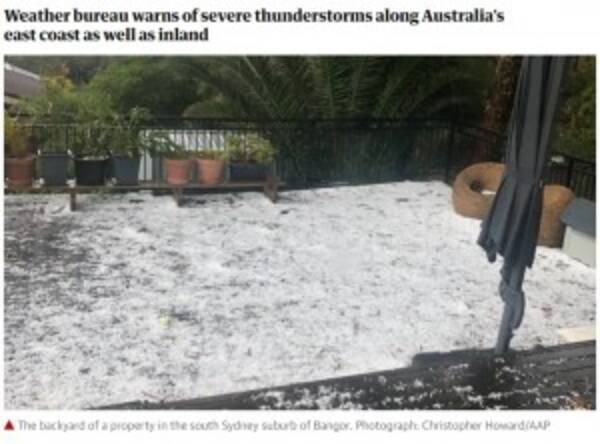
(560, 377)
(270, 187)
(142, 186)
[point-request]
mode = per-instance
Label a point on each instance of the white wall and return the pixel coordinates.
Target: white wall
(580, 246)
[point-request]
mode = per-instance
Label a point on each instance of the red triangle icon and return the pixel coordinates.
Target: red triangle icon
(9, 426)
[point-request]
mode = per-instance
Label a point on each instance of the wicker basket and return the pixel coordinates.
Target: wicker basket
(556, 200)
(467, 197)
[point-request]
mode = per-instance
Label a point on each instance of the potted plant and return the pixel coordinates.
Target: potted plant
(210, 166)
(248, 156)
(91, 154)
(176, 160)
(48, 112)
(19, 160)
(127, 146)
(53, 157)
(178, 166)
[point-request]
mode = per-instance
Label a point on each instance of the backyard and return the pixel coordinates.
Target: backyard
(133, 298)
(357, 261)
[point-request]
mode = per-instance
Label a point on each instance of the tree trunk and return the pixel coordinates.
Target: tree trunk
(498, 105)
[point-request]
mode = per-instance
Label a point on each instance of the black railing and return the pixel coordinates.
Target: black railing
(317, 152)
(575, 173)
(314, 152)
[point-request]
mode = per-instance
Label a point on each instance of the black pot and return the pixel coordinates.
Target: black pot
(126, 169)
(90, 172)
(53, 168)
(158, 171)
(247, 172)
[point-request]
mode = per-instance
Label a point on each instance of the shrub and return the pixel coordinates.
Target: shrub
(16, 138)
(159, 143)
(125, 135)
(577, 126)
(248, 148)
(210, 154)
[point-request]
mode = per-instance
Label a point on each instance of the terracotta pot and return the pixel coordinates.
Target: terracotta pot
(210, 171)
(178, 171)
(20, 171)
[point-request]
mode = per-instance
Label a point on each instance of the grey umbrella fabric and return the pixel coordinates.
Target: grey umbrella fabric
(512, 224)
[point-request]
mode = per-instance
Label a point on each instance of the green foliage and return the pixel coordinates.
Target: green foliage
(279, 87)
(61, 102)
(96, 127)
(248, 148)
(125, 136)
(159, 143)
(57, 103)
(210, 154)
(16, 138)
(163, 85)
(577, 121)
(340, 87)
(92, 140)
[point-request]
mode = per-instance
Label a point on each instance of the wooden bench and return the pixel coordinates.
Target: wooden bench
(270, 188)
(559, 377)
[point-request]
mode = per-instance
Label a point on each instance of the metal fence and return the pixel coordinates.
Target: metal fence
(314, 152)
(317, 152)
(575, 173)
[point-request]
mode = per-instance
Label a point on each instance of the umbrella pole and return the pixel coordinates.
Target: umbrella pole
(505, 333)
(514, 305)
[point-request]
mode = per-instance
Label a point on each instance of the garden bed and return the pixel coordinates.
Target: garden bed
(133, 298)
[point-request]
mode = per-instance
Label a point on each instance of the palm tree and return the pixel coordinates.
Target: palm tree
(337, 87)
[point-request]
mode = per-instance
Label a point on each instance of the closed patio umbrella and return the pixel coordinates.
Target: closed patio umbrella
(511, 226)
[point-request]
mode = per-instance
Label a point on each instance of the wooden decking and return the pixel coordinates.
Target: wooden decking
(269, 187)
(560, 377)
